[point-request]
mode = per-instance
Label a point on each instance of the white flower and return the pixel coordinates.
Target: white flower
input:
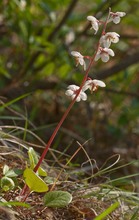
(93, 84)
(104, 54)
(116, 17)
(79, 59)
(109, 37)
(94, 23)
(72, 92)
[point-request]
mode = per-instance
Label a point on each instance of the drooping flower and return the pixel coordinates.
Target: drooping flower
(108, 38)
(72, 92)
(116, 17)
(94, 23)
(104, 54)
(93, 85)
(79, 59)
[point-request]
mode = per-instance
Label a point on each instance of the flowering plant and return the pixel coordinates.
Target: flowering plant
(78, 93)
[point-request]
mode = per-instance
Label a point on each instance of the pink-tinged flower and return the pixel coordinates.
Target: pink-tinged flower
(116, 17)
(72, 92)
(93, 85)
(79, 59)
(104, 54)
(94, 23)
(108, 38)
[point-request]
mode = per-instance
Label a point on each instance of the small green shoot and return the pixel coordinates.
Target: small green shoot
(33, 159)
(57, 199)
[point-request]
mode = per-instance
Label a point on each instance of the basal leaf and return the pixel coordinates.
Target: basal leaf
(57, 199)
(34, 182)
(7, 183)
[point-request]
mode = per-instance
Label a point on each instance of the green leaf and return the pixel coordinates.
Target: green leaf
(7, 183)
(42, 172)
(5, 169)
(11, 173)
(34, 182)
(57, 199)
(33, 159)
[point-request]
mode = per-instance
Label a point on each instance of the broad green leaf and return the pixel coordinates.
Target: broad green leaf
(33, 159)
(34, 182)
(57, 199)
(7, 183)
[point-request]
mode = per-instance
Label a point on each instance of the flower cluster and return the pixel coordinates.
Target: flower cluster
(103, 52)
(93, 85)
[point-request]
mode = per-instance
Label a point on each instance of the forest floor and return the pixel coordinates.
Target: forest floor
(89, 199)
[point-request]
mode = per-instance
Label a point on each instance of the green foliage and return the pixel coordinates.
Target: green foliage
(34, 182)
(57, 199)
(33, 159)
(9, 180)
(7, 183)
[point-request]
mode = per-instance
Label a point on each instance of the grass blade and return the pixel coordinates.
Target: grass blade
(107, 211)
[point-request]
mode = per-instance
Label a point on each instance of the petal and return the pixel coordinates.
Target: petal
(110, 52)
(69, 92)
(102, 39)
(81, 61)
(115, 39)
(99, 83)
(78, 99)
(97, 56)
(75, 54)
(105, 57)
(94, 23)
(95, 26)
(116, 19)
(107, 43)
(91, 18)
(120, 14)
(87, 85)
(73, 87)
(83, 96)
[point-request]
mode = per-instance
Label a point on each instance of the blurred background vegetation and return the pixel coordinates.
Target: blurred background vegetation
(36, 38)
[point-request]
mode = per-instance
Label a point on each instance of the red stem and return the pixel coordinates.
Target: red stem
(25, 188)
